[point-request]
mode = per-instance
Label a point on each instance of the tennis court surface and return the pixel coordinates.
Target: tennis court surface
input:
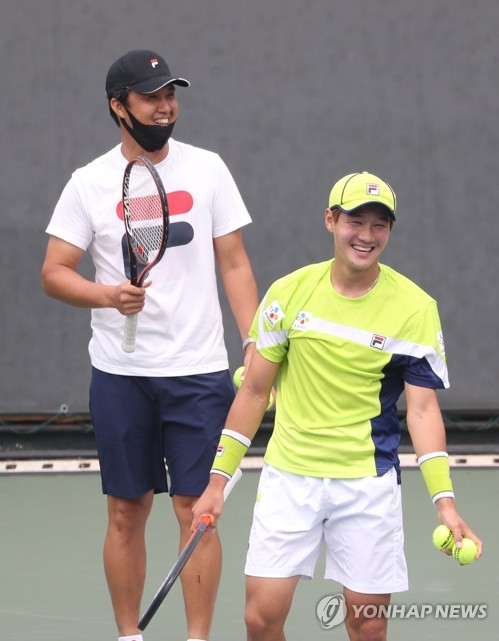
(53, 587)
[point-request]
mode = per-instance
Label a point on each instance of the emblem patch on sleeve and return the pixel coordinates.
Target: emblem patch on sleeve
(273, 314)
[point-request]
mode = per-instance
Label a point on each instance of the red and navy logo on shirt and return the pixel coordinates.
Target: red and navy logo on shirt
(378, 341)
(181, 232)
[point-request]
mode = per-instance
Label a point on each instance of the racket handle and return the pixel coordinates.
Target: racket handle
(230, 485)
(128, 342)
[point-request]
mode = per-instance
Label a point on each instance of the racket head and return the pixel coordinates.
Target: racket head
(146, 216)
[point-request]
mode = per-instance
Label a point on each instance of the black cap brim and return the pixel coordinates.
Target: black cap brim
(155, 84)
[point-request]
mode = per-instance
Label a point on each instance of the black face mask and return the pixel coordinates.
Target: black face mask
(149, 137)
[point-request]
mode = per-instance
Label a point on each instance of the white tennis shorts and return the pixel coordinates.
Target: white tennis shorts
(360, 521)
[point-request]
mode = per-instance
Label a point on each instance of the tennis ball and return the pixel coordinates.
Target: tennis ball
(270, 403)
(237, 376)
(237, 382)
(443, 538)
(467, 553)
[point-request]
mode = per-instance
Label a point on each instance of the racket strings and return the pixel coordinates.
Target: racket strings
(145, 215)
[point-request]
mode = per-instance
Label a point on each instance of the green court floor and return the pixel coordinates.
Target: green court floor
(52, 585)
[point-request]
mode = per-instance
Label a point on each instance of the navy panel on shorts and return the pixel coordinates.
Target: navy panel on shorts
(141, 422)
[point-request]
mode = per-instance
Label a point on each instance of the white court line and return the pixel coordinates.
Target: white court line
(408, 461)
(67, 466)
(49, 466)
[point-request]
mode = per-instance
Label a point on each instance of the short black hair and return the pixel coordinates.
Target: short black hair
(121, 96)
(379, 207)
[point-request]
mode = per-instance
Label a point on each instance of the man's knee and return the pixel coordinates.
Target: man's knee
(128, 514)
(259, 622)
(363, 629)
(268, 602)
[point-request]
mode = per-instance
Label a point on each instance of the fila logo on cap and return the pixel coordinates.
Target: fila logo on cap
(372, 189)
(154, 63)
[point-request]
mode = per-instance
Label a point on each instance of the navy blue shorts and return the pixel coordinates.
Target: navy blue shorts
(142, 422)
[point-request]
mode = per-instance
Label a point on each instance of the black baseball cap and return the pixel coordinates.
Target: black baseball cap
(142, 71)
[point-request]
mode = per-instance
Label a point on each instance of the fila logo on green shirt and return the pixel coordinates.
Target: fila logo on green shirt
(378, 341)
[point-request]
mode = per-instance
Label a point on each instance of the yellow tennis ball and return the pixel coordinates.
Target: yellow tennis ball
(271, 402)
(465, 554)
(443, 539)
(237, 376)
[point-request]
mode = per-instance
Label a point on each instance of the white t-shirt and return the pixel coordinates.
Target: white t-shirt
(180, 330)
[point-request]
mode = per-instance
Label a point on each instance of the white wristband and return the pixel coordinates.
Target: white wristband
(239, 437)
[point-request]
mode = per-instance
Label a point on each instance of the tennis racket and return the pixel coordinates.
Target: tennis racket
(147, 224)
(179, 564)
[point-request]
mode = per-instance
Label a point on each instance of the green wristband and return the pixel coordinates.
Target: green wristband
(436, 473)
(230, 451)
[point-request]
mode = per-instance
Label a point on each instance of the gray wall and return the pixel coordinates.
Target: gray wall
(293, 94)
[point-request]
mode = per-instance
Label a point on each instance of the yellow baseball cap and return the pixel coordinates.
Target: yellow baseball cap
(355, 190)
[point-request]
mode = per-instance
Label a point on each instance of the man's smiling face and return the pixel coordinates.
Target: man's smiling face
(361, 236)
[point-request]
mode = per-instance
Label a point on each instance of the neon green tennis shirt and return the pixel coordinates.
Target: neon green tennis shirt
(344, 364)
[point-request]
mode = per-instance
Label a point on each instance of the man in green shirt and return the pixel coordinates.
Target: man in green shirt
(347, 337)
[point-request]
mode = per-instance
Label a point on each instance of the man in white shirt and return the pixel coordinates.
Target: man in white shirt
(168, 400)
